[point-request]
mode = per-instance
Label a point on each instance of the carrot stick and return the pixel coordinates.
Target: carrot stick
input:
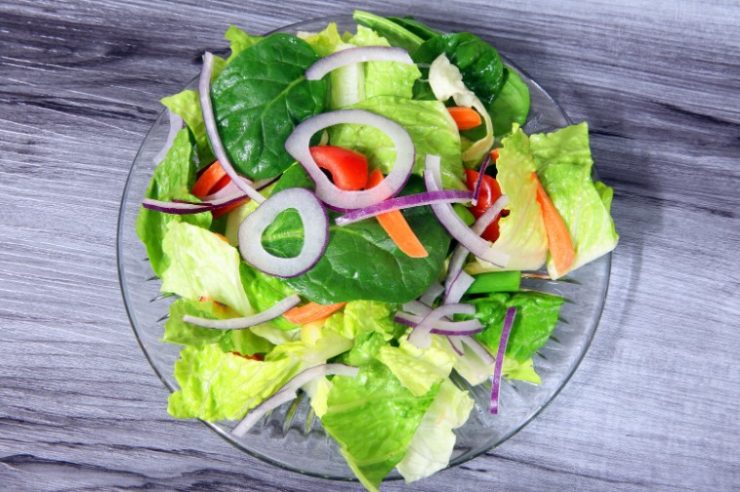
(301, 315)
(465, 118)
(558, 238)
(395, 225)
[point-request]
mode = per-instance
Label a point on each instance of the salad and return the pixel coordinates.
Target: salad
(348, 217)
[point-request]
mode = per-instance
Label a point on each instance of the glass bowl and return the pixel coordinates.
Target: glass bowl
(289, 437)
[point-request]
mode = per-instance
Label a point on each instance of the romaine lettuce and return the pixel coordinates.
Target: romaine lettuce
(564, 163)
(417, 369)
(172, 180)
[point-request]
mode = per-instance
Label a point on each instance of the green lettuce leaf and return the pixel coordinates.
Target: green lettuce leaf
(522, 234)
(433, 443)
(429, 125)
(564, 164)
(260, 97)
(173, 178)
(418, 370)
(186, 105)
(264, 291)
(239, 41)
(217, 385)
(325, 42)
(178, 331)
(203, 265)
(373, 418)
(385, 78)
(536, 318)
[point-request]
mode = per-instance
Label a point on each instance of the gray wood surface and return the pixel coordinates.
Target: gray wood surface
(655, 404)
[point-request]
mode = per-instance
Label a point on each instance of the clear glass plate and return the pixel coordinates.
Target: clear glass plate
(286, 438)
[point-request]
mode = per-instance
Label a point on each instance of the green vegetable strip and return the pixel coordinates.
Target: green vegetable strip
(487, 283)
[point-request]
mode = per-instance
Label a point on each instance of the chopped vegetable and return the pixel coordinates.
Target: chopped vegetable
(210, 180)
(348, 168)
(559, 242)
(311, 312)
(465, 118)
(486, 283)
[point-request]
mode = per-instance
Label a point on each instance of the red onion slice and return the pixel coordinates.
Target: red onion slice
(315, 233)
(454, 224)
(288, 392)
(361, 54)
(478, 349)
(432, 293)
(503, 342)
(403, 202)
(240, 323)
(176, 124)
(175, 208)
(460, 254)
(479, 181)
(445, 327)
(204, 89)
(420, 334)
(298, 143)
(458, 288)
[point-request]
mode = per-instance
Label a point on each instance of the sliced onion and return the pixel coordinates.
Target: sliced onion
(498, 368)
(456, 345)
(298, 143)
(288, 392)
(460, 254)
(442, 327)
(454, 224)
(204, 89)
(176, 124)
(417, 307)
(403, 202)
(479, 181)
(361, 54)
(431, 295)
(458, 288)
(479, 350)
(180, 207)
(315, 233)
(248, 321)
(232, 190)
(420, 334)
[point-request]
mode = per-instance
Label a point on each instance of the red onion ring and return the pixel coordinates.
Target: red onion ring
(246, 322)
(204, 90)
(315, 233)
(298, 143)
(432, 293)
(498, 368)
(454, 224)
(456, 345)
(458, 288)
(479, 181)
(288, 392)
(176, 124)
(360, 54)
(420, 334)
(403, 202)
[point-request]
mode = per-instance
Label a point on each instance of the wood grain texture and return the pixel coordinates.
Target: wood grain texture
(654, 406)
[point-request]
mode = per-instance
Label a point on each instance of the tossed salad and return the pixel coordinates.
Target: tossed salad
(348, 217)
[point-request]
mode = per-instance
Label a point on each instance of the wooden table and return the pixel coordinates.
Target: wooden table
(655, 403)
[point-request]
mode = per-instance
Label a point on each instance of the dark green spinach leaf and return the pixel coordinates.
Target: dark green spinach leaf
(511, 105)
(395, 33)
(479, 62)
(361, 261)
(537, 315)
(260, 97)
(419, 28)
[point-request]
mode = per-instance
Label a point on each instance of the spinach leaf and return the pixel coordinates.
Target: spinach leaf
(479, 62)
(419, 28)
(537, 315)
(260, 97)
(361, 261)
(511, 105)
(396, 34)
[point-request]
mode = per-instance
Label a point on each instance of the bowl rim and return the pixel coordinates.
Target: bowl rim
(465, 457)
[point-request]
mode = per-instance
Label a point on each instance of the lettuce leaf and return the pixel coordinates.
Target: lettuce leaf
(536, 318)
(202, 265)
(173, 178)
(239, 41)
(373, 418)
(325, 42)
(385, 78)
(429, 124)
(186, 105)
(178, 331)
(216, 385)
(433, 443)
(522, 234)
(564, 164)
(418, 370)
